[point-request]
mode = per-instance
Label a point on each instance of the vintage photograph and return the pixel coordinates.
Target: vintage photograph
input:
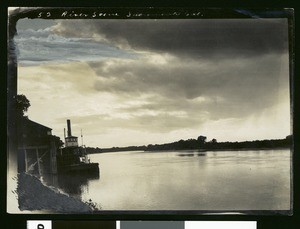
(173, 113)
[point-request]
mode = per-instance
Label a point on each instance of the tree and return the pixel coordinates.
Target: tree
(214, 141)
(201, 139)
(22, 104)
(58, 142)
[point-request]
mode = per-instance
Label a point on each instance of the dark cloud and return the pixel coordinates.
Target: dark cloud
(236, 65)
(230, 88)
(190, 38)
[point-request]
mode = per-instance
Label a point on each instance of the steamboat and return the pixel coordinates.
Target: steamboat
(72, 158)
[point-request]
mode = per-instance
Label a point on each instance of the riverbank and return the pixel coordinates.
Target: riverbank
(196, 150)
(216, 150)
(245, 149)
(196, 144)
(33, 195)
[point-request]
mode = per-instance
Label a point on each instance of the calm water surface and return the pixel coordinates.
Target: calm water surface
(186, 180)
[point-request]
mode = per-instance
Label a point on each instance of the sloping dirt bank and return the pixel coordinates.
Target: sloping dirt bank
(33, 195)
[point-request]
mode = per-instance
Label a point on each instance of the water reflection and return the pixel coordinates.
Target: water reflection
(72, 184)
(192, 154)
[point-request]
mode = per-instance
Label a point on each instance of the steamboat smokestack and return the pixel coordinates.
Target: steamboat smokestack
(69, 128)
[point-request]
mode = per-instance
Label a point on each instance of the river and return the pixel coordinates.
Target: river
(187, 180)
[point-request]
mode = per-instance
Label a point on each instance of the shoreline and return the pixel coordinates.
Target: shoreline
(216, 150)
(197, 150)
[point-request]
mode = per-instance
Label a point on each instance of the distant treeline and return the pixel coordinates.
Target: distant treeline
(193, 144)
(201, 144)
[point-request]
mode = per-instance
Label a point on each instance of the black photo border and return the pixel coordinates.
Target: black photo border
(263, 219)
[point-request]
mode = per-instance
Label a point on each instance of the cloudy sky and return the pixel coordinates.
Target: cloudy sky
(139, 82)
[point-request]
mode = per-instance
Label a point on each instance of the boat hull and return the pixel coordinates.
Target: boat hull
(81, 168)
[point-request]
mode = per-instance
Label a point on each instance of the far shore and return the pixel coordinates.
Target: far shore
(214, 150)
(195, 150)
(200, 144)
